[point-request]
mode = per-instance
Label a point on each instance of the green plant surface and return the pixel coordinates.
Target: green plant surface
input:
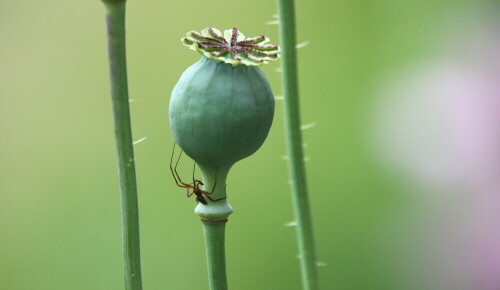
(307, 251)
(115, 20)
(60, 213)
(214, 234)
(220, 112)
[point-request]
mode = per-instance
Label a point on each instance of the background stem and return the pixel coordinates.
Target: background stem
(294, 144)
(216, 258)
(115, 19)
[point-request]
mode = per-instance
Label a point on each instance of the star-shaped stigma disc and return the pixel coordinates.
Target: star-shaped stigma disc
(232, 48)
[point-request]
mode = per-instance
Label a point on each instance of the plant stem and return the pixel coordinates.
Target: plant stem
(115, 19)
(294, 144)
(216, 259)
(214, 217)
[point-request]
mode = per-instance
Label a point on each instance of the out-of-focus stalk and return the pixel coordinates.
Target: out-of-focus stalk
(294, 144)
(115, 20)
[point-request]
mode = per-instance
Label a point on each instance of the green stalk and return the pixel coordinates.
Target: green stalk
(294, 144)
(216, 259)
(214, 216)
(115, 19)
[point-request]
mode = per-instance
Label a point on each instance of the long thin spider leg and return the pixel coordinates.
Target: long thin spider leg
(215, 183)
(214, 200)
(172, 170)
(194, 168)
(178, 182)
(175, 170)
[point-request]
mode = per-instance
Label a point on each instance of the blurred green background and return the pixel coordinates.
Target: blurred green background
(59, 198)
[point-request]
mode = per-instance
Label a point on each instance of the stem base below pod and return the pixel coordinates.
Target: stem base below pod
(216, 257)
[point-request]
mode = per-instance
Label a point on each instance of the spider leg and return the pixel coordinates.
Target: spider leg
(175, 174)
(175, 169)
(194, 168)
(215, 183)
(180, 184)
(215, 200)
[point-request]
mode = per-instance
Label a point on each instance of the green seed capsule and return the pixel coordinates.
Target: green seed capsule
(222, 108)
(220, 113)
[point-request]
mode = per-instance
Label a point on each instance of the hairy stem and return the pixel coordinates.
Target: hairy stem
(294, 144)
(115, 19)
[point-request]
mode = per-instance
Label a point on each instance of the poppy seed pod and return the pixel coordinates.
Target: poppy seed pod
(222, 108)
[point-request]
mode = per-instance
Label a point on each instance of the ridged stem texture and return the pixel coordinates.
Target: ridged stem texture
(294, 144)
(115, 20)
(216, 259)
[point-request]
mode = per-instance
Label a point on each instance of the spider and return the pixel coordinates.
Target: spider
(201, 195)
